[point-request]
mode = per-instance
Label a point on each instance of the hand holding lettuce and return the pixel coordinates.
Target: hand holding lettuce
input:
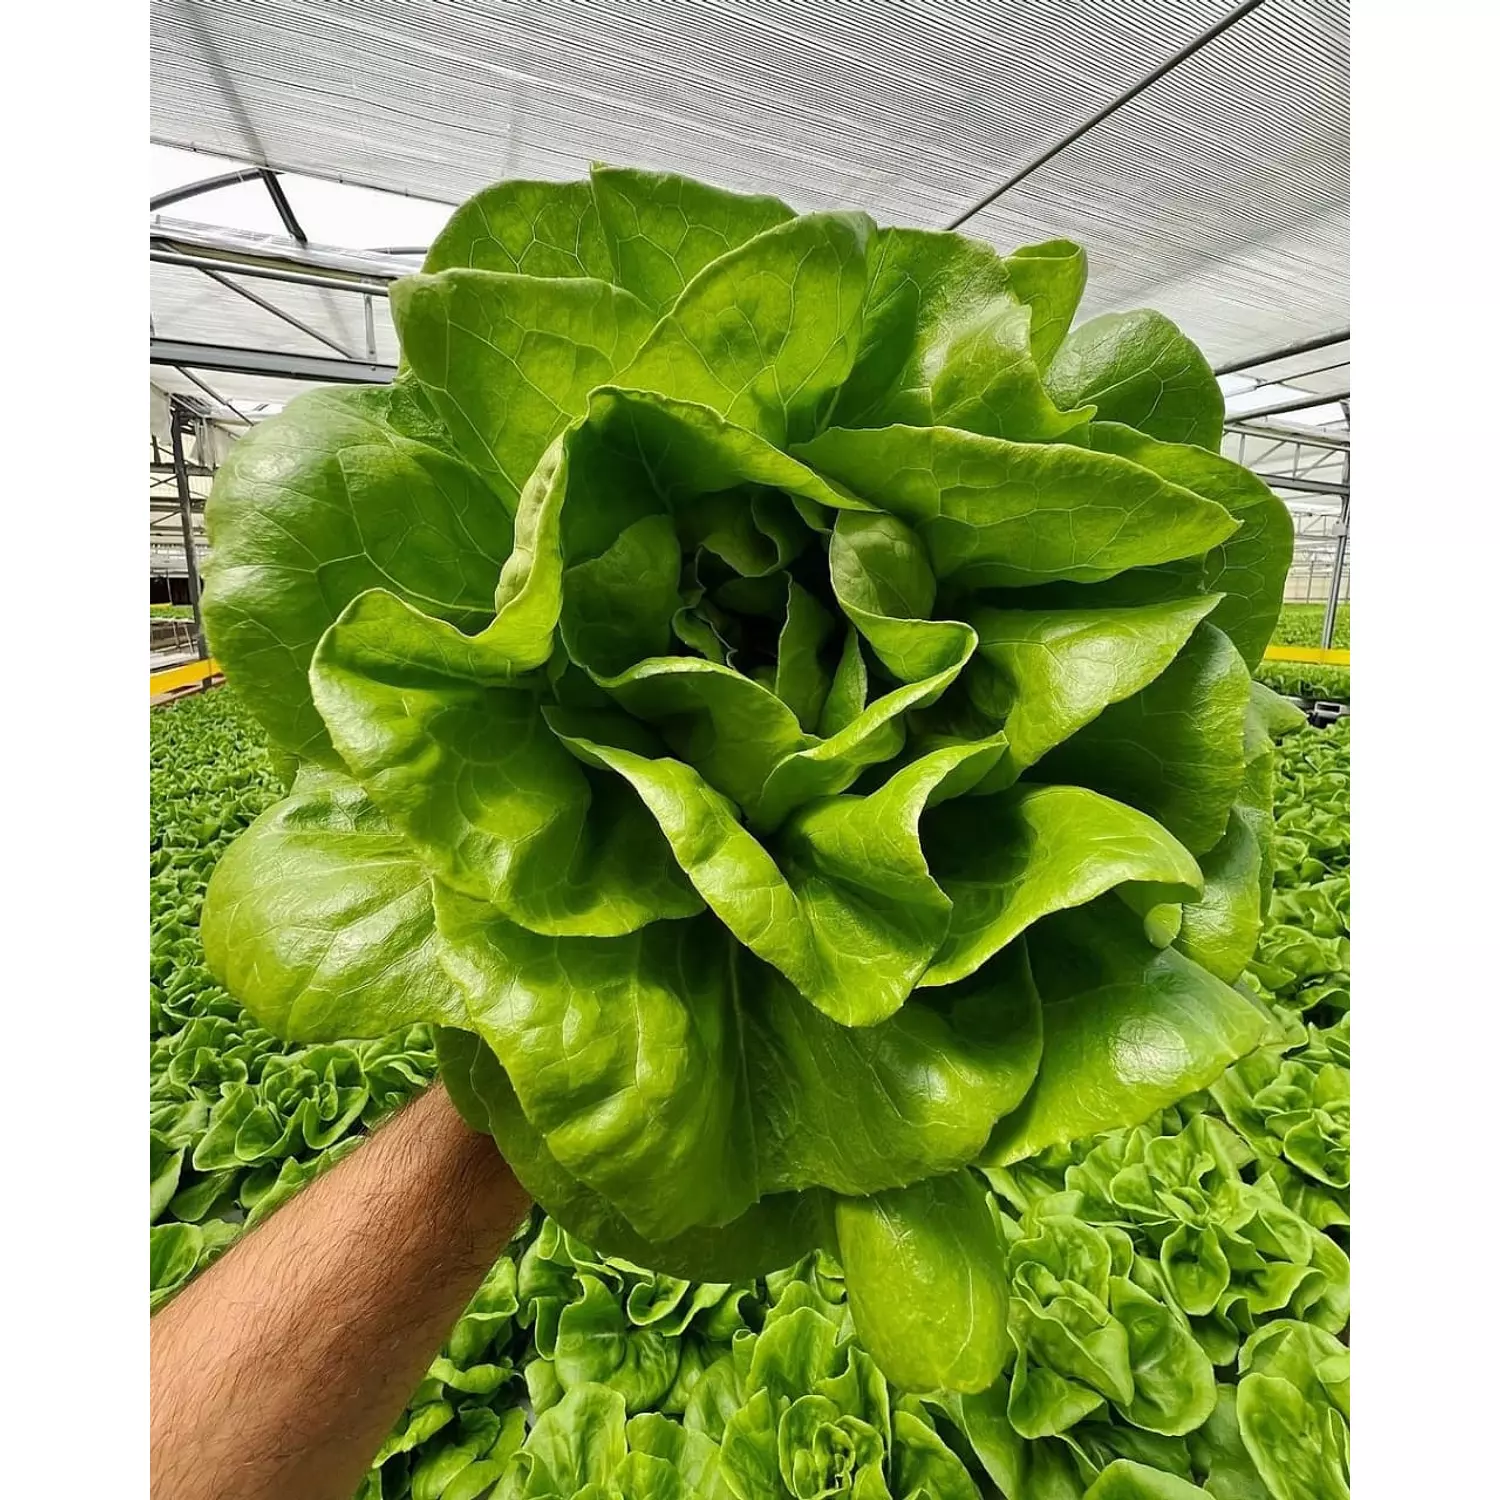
(780, 704)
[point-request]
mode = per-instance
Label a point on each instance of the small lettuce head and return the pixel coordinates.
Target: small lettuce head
(779, 700)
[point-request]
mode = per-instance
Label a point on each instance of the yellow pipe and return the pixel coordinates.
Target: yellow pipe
(190, 672)
(1332, 656)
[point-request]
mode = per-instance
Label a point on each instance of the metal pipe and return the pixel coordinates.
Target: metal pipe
(268, 273)
(283, 205)
(1292, 379)
(278, 312)
(185, 506)
(1333, 398)
(370, 349)
(1336, 578)
(277, 362)
(1099, 116)
(203, 185)
(1307, 346)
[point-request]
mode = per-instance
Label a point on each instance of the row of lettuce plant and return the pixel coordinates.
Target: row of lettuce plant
(1302, 625)
(1176, 1290)
(1313, 681)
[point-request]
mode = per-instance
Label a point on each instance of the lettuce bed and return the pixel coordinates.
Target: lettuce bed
(640, 1381)
(778, 702)
(1310, 680)
(1302, 625)
(239, 1118)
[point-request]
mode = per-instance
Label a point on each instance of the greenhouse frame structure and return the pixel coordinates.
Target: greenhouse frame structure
(1199, 149)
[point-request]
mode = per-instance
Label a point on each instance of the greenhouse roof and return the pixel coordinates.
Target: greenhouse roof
(1217, 192)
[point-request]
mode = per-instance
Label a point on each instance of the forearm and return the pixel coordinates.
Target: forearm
(281, 1369)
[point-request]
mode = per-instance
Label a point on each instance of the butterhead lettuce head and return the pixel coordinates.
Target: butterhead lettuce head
(778, 700)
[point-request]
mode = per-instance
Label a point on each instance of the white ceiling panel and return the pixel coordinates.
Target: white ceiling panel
(1219, 195)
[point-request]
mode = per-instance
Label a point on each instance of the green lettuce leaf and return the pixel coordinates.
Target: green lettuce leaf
(737, 1052)
(508, 360)
(995, 513)
(926, 1280)
(1127, 1028)
(661, 230)
(321, 919)
(1175, 749)
(347, 490)
(530, 228)
(1245, 568)
(949, 337)
(1139, 370)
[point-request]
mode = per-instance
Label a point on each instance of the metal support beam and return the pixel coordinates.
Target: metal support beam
(1307, 346)
(1310, 486)
(185, 504)
(1099, 116)
(1340, 557)
(1333, 398)
(283, 206)
(1276, 446)
(1292, 379)
(277, 312)
(208, 390)
(203, 185)
(1336, 577)
(276, 250)
(370, 350)
(1287, 435)
(1327, 458)
(170, 472)
(270, 362)
(332, 282)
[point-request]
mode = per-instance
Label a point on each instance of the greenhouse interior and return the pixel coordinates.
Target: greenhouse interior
(750, 666)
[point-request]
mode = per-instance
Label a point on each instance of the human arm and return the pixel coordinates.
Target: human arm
(280, 1370)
